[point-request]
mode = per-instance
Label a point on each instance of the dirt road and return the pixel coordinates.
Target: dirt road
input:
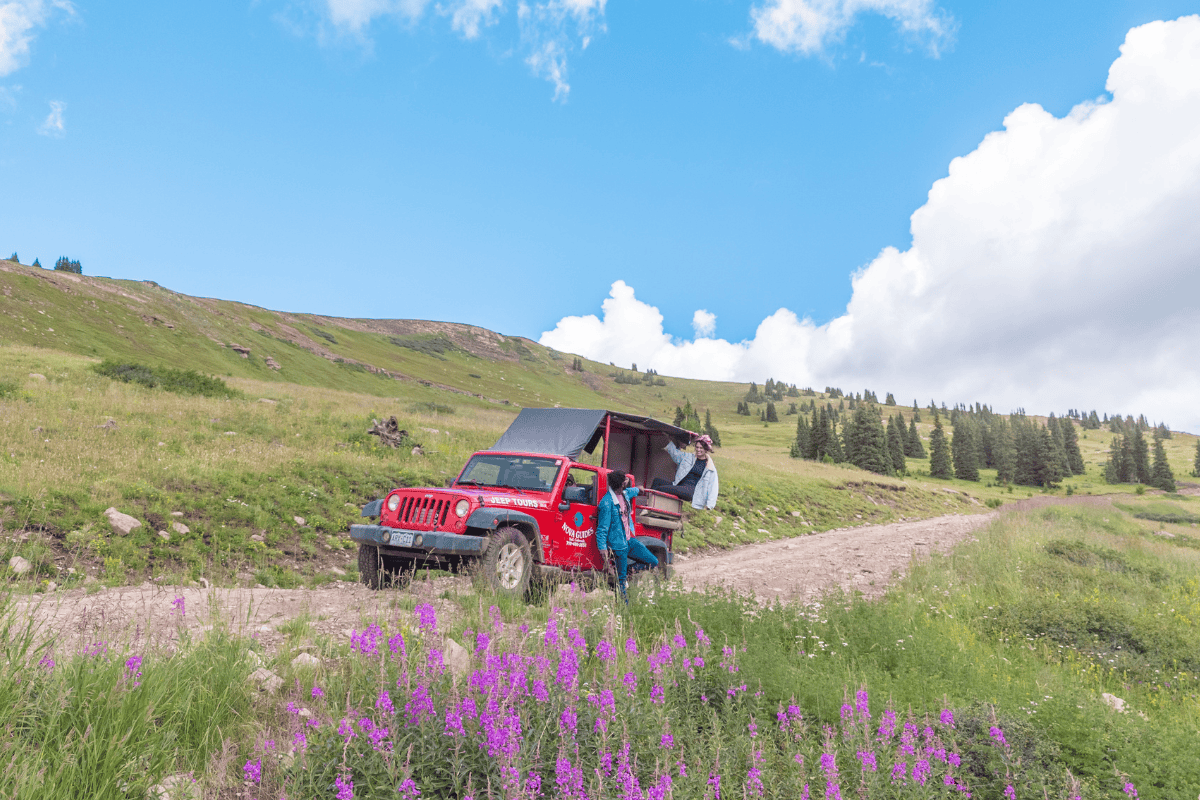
(865, 559)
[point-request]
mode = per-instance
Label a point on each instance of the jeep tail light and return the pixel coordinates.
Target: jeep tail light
(393, 502)
(460, 508)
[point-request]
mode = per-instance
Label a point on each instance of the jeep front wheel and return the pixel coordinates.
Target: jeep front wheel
(369, 567)
(508, 563)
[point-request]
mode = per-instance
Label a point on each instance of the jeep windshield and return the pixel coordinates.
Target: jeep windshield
(511, 472)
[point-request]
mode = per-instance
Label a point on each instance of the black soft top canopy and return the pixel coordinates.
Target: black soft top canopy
(569, 431)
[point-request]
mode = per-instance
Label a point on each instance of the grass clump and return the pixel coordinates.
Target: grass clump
(179, 381)
(436, 345)
(1161, 511)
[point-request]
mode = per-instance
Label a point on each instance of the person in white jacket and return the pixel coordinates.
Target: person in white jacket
(695, 474)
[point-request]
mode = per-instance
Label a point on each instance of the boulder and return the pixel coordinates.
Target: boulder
(254, 537)
(272, 363)
(37, 376)
(299, 521)
(306, 661)
(267, 400)
(181, 786)
(341, 573)
(176, 513)
(121, 523)
(268, 681)
(166, 537)
(19, 565)
(457, 658)
(179, 527)
(1113, 702)
(108, 426)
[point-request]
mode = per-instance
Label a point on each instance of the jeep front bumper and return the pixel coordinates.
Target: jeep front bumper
(402, 541)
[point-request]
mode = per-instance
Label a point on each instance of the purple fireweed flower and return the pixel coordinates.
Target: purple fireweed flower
(468, 709)
(576, 638)
(753, 728)
(631, 647)
(551, 637)
(134, 667)
(698, 662)
(433, 661)
(568, 669)
(1129, 790)
(900, 771)
(1010, 793)
(630, 681)
(660, 790)
(178, 606)
(396, 646)
(292, 708)
(908, 739)
(606, 762)
(366, 724)
(482, 641)
(542, 663)
(426, 617)
(539, 691)
(680, 642)
(861, 705)
(453, 726)
(657, 695)
(682, 765)
(947, 779)
(667, 741)
(714, 780)
(384, 702)
(568, 720)
(947, 718)
(954, 759)
(317, 691)
(998, 735)
(366, 642)
(659, 659)
(408, 789)
(920, 772)
(253, 770)
(47, 663)
(420, 707)
(569, 778)
(754, 784)
(346, 729)
(96, 649)
(887, 725)
(867, 759)
(847, 712)
(727, 660)
(345, 788)
(702, 637)
(497, 619)
(533, 784)
(300, 741)
(606, 651)
(804, 794)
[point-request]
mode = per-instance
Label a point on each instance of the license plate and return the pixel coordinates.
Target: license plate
(402, 539)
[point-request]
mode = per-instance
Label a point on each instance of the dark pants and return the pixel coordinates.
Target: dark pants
(636, 551)
(683, 491)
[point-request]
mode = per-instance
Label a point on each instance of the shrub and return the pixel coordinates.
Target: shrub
(179, 381)
(436, 346)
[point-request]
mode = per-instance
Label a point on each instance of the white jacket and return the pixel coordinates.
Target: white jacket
(708, 485)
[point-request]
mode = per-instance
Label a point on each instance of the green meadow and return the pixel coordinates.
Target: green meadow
(1023, 629)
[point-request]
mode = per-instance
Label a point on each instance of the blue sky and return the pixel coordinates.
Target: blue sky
(362, 158)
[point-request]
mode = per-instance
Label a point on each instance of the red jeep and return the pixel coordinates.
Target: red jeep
(526, 509)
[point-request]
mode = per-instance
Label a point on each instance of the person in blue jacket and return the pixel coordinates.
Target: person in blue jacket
(614, 529)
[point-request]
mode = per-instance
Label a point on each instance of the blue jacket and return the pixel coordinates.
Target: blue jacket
(708, 485)
(609, 533)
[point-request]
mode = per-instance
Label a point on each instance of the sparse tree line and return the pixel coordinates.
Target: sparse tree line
(64, 264)
(648, 378)
(688, 418)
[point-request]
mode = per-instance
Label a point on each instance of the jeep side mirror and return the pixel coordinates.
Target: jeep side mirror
(564, 505)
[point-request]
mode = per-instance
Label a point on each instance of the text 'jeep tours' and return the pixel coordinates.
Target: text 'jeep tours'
(526, 509)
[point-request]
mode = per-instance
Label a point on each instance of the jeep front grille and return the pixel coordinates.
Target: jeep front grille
(423, 513)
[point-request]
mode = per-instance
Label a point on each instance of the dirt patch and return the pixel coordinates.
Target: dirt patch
(865, 559)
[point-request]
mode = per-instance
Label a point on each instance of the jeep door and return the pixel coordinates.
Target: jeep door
(574, 538)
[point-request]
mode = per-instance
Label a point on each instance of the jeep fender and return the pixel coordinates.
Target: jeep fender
(489, 519)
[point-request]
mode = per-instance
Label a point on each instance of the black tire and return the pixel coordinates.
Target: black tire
(652, 577)
(507, 566)
(398, 572)
(370, 570)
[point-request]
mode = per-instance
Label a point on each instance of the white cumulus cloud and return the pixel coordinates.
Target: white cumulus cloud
(54, 125)
(807, 27)
(18, 19)
(1056, 266)
(704, 323)
(468, 16)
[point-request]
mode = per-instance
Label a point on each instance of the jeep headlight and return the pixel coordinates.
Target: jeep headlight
(393, 502)
(461, 507)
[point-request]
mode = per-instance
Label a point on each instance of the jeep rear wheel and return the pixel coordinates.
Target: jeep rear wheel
(507, 565)
(649, 577)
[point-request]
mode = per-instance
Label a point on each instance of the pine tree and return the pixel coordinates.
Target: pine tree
(1004, 452)
(1141, 456)
(14, 258)
(1071, 443)
(710, 429)
(895, 439)
(939, 451)
(800, 445)
(916, 412)
(1161, 476)
(771, 415)
(37, 263)
(1196, 464)
(890, 401)
(912, 442)
(677, 421)
(1058, 439)
(1048, 468)
(963, 450)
